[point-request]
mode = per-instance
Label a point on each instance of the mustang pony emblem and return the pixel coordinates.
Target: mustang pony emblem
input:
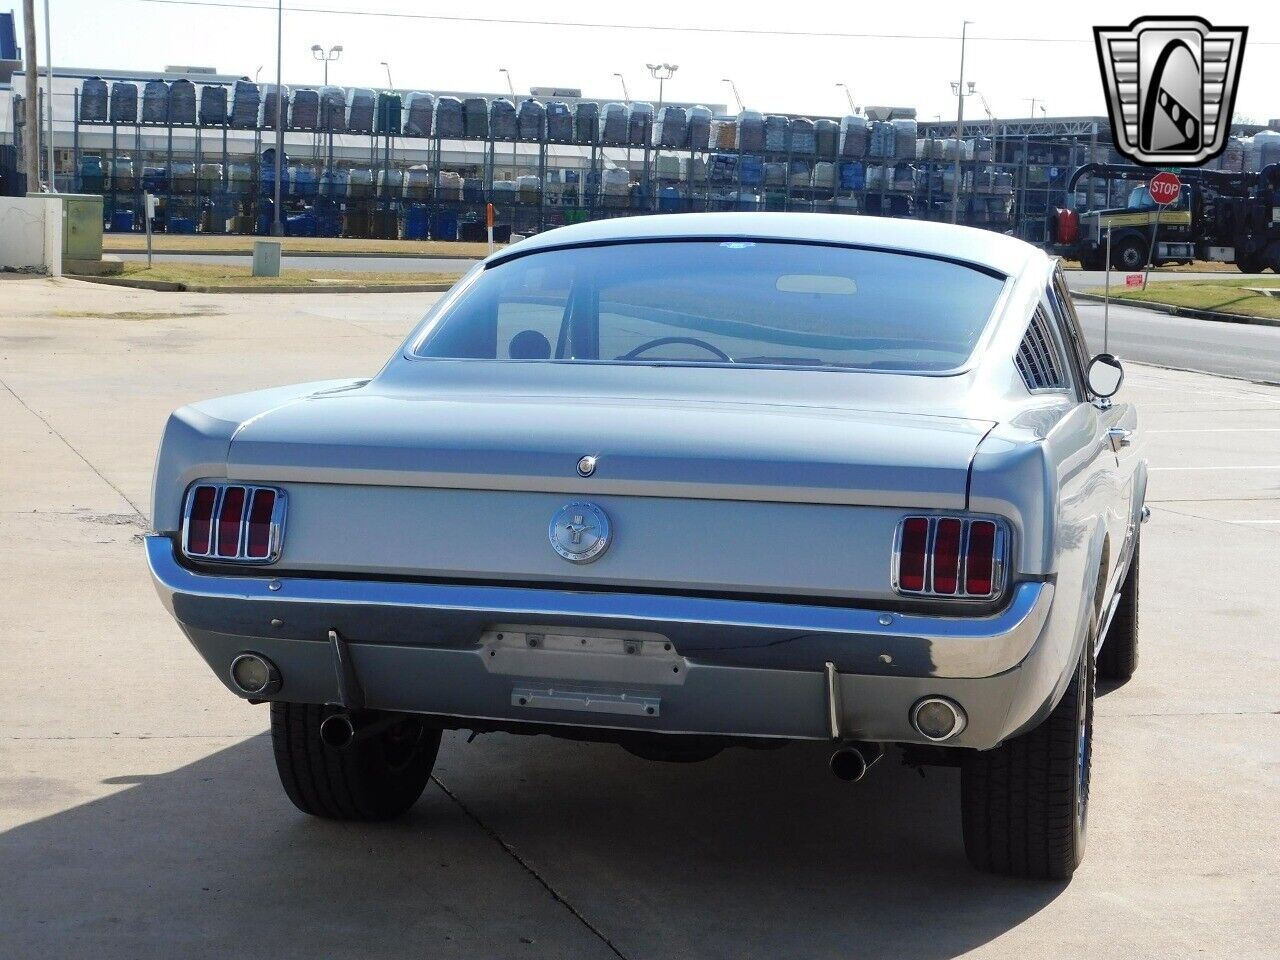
(579, 532)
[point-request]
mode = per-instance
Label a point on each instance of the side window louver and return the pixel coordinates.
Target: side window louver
(1038, 360)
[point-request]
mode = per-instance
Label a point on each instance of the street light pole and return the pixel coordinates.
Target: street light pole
(512, 88)
(848, 96)
(318, 52)
(955, 186)
(277, 222)
(48, 72)
(626, 97)
(734, 87)
(390, 85)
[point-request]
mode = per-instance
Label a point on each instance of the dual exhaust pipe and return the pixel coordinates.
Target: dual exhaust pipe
(851, 762)
(341, 730)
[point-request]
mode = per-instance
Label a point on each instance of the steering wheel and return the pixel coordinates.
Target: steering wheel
(663, 341)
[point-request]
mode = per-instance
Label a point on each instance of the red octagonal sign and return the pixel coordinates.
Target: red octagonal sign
(1165, 188)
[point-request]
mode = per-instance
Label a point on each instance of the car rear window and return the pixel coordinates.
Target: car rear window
(723, 303)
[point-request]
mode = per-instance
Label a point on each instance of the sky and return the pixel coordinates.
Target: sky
(902, 54)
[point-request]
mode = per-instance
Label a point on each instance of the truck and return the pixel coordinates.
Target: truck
(1222, 216)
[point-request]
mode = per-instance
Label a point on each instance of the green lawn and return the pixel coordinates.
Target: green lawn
(198, 242)
(1225, 295)
(232, 275)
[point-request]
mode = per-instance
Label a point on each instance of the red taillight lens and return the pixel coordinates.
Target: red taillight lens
(980, 558)
(200, 523)
(913, 553)
(258, 546)
(229, 517)
(951, 557)
(946, 556)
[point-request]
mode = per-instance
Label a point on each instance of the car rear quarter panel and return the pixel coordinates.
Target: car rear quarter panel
(1055, 487)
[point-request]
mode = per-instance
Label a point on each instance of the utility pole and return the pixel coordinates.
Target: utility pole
(48, 85)
(31, 123)
(277, 221)
(955, 187)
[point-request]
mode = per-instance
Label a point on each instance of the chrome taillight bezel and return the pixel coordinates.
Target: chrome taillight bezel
(275, 530)
(999, 559)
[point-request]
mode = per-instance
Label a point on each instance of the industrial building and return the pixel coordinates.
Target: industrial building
(418, 164)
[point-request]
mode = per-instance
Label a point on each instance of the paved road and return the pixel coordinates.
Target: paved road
(141, 817)
(1230, 349)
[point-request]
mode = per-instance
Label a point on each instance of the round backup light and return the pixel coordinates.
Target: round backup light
(937, 718)
(254, 675)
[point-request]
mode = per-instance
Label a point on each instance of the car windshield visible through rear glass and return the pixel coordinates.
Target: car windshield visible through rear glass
(710, 302)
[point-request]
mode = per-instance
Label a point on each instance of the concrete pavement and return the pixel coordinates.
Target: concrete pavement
(140, 815)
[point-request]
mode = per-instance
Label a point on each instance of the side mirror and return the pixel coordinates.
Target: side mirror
(1105, 375)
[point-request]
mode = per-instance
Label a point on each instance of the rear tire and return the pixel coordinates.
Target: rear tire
(377, 778)
(1273, 256)
(1129, 253)
(1249, 262)
(1025, 804)
(1119, 656)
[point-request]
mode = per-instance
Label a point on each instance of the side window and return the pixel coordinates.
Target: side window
(529, 315)
(1069, 327)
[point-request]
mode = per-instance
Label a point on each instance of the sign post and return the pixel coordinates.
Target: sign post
(1106, 296)
(488, 223)
(148, 212)
(1165, 188)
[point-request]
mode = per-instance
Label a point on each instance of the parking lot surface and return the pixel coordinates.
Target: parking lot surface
(140, 814)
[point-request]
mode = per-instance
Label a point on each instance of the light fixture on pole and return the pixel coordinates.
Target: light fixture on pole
(662, 72)
(848, 96)
(626, 97)
(319, 53)
(390, 85)
(734, 87)
(958, 88)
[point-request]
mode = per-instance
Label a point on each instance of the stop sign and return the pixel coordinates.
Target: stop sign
(1165, 188)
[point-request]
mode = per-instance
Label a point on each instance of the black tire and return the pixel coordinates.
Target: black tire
(1129, 253)
(1249, 262)
(1094, 260)
(1272, 256)
(377, 778)
(1119, 657)
(1025, 804)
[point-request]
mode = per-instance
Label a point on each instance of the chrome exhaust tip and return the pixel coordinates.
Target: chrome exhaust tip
(851, 763)
(337, 731)
(254, 675)
(938, 718)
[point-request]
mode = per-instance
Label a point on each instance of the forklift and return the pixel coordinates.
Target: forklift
(1222, 216)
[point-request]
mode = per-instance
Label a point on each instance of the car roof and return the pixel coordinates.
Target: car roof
(983, 248)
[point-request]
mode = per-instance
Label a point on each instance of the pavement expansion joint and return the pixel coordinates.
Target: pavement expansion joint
(542, 881)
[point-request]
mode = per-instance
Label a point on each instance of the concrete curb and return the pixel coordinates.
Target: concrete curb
(1193, 313)
(168, 286)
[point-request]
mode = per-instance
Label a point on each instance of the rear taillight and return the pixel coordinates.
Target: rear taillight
(233, 522)
(950, 557)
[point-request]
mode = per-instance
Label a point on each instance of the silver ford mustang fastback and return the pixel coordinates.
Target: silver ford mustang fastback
(682, 483)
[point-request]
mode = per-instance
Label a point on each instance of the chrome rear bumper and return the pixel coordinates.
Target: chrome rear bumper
(735, 667)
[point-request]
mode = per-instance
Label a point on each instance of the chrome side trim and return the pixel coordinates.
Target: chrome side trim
(953, 646)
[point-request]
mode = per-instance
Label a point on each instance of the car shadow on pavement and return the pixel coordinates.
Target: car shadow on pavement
(524, 847)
